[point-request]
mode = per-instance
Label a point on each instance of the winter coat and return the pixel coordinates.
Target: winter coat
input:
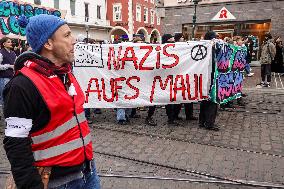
(268, 52)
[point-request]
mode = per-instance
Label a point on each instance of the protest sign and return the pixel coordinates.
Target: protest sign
(228, 76)
(132, 75)
(11, 10)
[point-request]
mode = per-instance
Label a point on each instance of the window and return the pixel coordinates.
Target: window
(117, 12)
(37, 2)
(138, 13)
(56, 4)
(145, 15)
(99, 12)
(152, 16)
(72, 7)
(158, 20)
(86, 12)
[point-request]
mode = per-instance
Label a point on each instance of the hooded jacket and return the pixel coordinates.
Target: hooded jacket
(268, 52)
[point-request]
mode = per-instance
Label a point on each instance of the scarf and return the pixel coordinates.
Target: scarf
(47, 68)
(43, 66)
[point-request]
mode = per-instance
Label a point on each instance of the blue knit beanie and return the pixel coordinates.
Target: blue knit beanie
(39, 29)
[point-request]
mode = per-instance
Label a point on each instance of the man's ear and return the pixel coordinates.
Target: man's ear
(48, 45)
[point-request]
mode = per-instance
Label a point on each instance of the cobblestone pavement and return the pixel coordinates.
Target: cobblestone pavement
(249, 146)
(111, 165)
(277, 81)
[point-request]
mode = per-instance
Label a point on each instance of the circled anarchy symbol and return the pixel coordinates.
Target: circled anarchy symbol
(198, 52)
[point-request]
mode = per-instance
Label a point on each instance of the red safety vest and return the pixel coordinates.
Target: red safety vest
(62, 142)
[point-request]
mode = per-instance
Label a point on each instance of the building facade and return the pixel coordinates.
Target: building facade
(134, 17)
(85, 17)
(226, 17)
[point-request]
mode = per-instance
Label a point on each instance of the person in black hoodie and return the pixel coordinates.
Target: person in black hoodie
(47, 137)
(208, 109)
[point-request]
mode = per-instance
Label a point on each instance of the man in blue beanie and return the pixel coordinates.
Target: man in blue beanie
(47, 137)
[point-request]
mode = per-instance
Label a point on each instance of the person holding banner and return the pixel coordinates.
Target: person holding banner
(240, 42)
(123, 114)
(134, 113)
(188, 107)
(149, 119)
(171, 109)
(47, 138)
(208, 109)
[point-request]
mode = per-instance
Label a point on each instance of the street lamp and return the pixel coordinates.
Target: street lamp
(195, 3)
(87, 27)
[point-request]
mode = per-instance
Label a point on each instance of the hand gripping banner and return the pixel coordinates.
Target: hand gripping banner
(134, 75)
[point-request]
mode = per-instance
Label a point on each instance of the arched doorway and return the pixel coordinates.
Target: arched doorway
(155, 36)
(119, 34)
(142, 32)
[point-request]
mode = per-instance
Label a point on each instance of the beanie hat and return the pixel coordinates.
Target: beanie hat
(178, 36)
(166, 37)
(40, 28)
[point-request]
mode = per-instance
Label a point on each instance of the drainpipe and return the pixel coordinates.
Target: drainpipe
(130, 20)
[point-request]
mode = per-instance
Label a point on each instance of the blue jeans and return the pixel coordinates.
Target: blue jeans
(87, 113)
(90, 180)
(247, 68)
(122, 114)
(3, 82)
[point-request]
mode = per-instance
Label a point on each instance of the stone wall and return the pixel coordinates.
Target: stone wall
(272, 10)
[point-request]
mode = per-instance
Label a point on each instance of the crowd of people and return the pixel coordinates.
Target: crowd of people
(271, 60)
(47, 138)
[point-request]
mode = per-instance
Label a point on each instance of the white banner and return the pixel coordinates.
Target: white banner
(136, 75)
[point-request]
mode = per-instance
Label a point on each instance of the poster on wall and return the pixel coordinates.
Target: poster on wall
(11, 10)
